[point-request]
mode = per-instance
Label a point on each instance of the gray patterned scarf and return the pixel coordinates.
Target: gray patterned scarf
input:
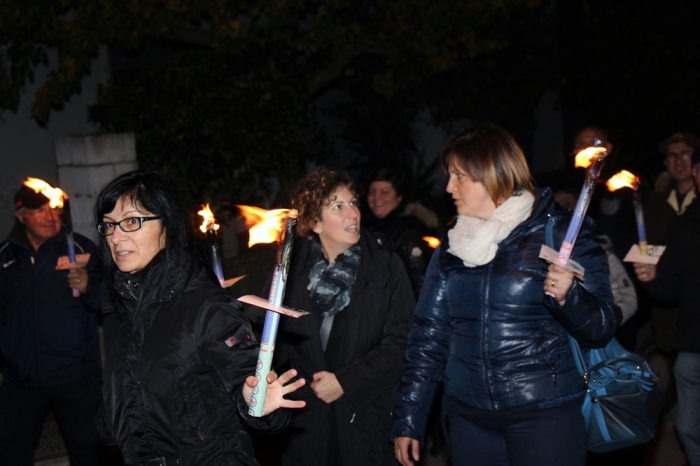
(330, 284)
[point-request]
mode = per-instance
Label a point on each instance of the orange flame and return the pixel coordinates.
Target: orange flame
(623, 179)
(55, 195)
(265, 225)
(432, 241)
(588, 155)
(208, 222)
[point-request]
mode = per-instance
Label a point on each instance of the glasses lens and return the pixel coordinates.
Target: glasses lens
(130, 224)
(105, 229)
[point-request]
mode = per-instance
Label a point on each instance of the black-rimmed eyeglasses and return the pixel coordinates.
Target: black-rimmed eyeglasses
(127, 225)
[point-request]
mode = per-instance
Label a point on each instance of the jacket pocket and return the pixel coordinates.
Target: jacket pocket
(193, 414)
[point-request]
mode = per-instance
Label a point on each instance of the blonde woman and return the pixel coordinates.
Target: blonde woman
(492, 320)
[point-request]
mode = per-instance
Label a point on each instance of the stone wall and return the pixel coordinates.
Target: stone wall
(86, 163)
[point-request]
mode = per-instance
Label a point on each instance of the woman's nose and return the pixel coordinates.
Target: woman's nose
(118, 235)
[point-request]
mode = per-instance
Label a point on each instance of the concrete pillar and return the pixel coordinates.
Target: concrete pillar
(86, 163)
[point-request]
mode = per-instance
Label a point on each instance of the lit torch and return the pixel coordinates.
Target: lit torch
(209, 227)
(591, 158)
(57, 200)
(625, 179)
(432, 241)
(268, 226)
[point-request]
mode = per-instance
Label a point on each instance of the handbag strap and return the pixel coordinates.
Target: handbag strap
(575, 347)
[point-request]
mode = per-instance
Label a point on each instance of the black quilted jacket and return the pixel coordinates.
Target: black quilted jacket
(178, 349)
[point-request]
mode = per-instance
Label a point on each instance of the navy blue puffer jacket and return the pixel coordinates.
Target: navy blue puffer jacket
(490, 334)
(47, 337)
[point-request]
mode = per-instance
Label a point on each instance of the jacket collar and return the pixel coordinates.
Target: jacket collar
(160, 281)
(544, 203)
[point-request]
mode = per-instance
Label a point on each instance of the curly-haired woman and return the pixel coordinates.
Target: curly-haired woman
(351, 348)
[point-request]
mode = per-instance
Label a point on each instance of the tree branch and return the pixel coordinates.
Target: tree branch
(340, 62)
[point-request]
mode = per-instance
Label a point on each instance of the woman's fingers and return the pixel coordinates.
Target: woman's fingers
(282, 379)
(406, 450)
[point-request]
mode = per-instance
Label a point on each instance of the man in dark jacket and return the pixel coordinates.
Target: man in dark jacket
(49, 344)
(676, 279)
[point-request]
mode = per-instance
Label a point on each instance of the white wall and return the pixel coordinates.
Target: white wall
(86, 164)
(27, 149)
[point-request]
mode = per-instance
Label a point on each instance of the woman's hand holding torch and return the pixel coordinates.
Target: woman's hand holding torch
(591, 158)
(277, 388)
(285, 239)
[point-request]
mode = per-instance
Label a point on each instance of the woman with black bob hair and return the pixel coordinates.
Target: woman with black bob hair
(493, 319)
(179, 349)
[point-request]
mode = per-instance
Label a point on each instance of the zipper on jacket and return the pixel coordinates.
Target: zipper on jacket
(129, 287)
(554, 374)
(486, 314)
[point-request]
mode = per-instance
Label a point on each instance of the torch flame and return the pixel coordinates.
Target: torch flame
(588, 155)
(623, 179)
(208, 222)
(265, 225)
(55, 195)
(432, 241)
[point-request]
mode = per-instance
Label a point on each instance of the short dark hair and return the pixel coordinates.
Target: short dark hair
(313, 192)
(491, 156)
(686, 138)
(155, 191)
(603, 133)
(390, 175)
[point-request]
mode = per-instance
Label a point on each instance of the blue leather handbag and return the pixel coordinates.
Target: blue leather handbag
(623, 400)
(623, 397)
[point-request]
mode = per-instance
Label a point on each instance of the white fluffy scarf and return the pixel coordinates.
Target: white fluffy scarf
(475, 240)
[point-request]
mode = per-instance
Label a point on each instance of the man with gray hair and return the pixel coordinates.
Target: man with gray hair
(49, 344)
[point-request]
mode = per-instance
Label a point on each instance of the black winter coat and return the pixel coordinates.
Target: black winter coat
(178, 349)
(365, 351)
(47, 337)
(678, 277)
(491, 335)
(403, 234)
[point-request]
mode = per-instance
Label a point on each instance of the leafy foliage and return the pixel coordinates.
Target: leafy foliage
(222, 92)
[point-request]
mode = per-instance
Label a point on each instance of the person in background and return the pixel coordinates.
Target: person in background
(401, 227)
(351, 348)
(493, 319)
(49, 343)
(674, 193)
(672, 199)
(398, 226)
(180, 352)
(676, 279)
